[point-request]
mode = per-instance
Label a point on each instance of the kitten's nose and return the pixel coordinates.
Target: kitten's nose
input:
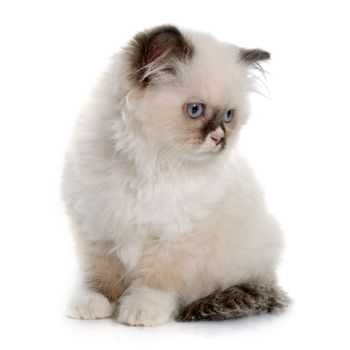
(217, 136)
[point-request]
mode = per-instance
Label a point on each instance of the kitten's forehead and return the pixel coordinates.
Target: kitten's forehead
(214, 73)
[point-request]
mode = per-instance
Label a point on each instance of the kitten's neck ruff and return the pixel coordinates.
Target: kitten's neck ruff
(160, 167)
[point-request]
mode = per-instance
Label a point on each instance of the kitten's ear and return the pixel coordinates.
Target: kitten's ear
(253, 56)
(155, 52)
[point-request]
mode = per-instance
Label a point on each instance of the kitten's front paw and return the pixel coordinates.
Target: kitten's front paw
(146, 307)
(89, 305)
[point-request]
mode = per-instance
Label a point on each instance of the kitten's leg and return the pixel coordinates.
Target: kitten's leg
(103, 285)
(144, 306)
(154, 285)
(89, 305)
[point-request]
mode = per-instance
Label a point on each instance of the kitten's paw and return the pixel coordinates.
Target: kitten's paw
(89, 305)
(146, 307)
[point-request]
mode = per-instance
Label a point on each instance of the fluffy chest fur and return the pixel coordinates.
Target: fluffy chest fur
(130, 209)
(118, 206)
(172, 206)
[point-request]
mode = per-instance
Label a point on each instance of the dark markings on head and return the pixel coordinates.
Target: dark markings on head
(160, 46)
(214, 122)
(251, 56)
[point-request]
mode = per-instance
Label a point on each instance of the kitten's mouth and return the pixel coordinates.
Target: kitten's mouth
(220, 142)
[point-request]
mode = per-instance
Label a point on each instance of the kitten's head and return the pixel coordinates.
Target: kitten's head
(188, 90)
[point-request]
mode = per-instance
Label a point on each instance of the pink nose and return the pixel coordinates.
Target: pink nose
(216, 137)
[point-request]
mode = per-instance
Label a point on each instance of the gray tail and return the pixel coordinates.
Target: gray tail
(235, 302)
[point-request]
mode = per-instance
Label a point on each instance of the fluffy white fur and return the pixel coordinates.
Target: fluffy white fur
(143, 306)
(183, 218)
(89, 305)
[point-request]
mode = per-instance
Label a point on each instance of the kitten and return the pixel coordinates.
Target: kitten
(168, 219)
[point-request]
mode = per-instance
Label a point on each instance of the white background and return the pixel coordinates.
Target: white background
(297, 140)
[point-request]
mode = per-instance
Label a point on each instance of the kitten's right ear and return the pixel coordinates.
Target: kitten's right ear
(155, 52)
(253, 56)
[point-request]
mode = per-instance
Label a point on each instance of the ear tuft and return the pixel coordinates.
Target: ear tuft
(155, 51)
(251, 56)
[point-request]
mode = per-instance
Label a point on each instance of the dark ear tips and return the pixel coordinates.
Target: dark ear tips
(164, 40)
(251, 56)
(161, 46)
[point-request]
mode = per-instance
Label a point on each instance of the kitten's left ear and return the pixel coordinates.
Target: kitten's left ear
(154, 53)
(253, 56)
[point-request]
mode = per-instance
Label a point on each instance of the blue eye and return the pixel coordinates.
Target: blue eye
(229, 115)
(195, 109)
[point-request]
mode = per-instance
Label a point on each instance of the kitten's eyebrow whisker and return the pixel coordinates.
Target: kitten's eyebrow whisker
(259, 82)
(259, 79)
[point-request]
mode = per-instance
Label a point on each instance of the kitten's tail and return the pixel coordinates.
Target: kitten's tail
(236, 302)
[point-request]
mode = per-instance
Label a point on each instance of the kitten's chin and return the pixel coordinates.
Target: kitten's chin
(203, 154)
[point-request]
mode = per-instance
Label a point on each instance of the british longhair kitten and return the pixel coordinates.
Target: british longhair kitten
(169, 220)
